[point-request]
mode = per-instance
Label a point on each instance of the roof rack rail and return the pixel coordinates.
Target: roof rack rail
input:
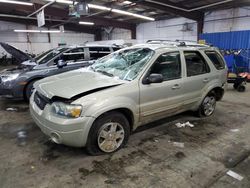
(177, 42)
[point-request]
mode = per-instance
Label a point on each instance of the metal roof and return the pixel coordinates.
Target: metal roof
(58, 14)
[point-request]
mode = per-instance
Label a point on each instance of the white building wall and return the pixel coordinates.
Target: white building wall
(166, 29)
(39, 42)
(117, 34)
(121, 34)
(227, 20)
(231, 20)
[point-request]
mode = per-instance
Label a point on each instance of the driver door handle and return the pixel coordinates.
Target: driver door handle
(206, 80)
(176, 86)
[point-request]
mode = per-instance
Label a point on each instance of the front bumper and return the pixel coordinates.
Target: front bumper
(11, 90)
(71, 132)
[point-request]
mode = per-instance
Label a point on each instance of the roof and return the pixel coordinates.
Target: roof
(89, 45)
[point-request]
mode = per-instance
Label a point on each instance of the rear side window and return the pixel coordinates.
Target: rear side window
(195, 63)
(98, 52)
(216, 59)
(74, 55)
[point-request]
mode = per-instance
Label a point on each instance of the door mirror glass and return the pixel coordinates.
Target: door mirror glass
(155, 78)
(61, 63)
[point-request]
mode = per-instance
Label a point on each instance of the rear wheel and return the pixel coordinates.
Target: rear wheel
(208, 105)
(241, 88)
(109, 133)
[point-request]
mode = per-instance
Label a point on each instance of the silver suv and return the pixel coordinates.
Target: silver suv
(99, 106)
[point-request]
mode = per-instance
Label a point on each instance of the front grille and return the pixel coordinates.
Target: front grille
(41, 101)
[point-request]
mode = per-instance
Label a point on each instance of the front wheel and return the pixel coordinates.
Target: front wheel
(207, 106)
(109, 133)
(29, 90)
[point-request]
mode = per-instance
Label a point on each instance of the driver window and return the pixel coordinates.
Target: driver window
(168, 65)
(74, 55)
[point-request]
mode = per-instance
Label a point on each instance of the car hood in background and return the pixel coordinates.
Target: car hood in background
(74, 83)
(16, 53)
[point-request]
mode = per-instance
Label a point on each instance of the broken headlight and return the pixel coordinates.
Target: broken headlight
(9, 77)
(67, 110)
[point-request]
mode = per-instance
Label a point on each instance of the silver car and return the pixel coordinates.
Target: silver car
(99, 106)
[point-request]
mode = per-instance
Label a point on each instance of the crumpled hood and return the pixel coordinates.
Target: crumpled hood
(73, 83)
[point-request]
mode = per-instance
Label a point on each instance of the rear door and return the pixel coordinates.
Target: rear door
(197, 77)
(157, 100)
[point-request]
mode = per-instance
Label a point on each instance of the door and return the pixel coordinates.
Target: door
(157, 100)
(197, 77)
(75, 59)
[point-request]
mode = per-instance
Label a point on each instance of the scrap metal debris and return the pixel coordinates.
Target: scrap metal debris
(11, 109)
(234, 175)
(178, 144)
(234, 130)
(180, 125)
(21, 138)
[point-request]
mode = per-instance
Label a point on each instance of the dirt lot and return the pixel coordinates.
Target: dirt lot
(153, 157)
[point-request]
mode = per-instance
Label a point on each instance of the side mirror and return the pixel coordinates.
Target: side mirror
(61, 64)
(155, 78)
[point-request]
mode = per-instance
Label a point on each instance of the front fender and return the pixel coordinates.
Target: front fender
(100, 107)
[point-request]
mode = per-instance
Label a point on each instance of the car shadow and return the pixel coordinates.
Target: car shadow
(158, 123)
(54, 151)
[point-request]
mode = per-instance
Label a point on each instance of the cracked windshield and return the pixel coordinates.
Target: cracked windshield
(125, 64)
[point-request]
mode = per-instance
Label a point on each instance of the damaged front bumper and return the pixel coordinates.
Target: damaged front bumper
(61, 130)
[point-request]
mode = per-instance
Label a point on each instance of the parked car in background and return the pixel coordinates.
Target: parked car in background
(99, 106)
(18, 82)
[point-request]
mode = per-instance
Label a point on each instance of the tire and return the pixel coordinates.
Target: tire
(108, 134)
(241, 88)
(207, 106)
(29, 90)
(236, 86)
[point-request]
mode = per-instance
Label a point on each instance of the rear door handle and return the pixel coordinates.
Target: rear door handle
(176, 86)
(206, 80)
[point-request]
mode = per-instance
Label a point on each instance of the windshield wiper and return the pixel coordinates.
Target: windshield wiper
(105, 73)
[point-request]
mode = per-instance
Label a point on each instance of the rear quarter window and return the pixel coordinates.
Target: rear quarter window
(216, 59)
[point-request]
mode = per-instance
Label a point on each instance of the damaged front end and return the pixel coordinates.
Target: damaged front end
(64, 107)
(9, 83)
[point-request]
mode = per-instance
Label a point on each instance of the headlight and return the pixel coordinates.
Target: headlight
(9, 77)
(68, 110)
